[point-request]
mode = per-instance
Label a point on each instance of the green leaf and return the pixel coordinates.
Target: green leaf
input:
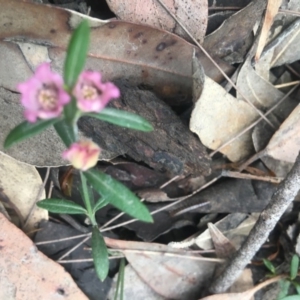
(297, 286)
(270, 266)
(120, 280)
(284, 288)
(100, 254)
(61, 206)
(26, 130)
(294, 266)
(100, 203)
(118, 195)
(71, 111)
(65, 132)
(123, 119)
(292, 297)
(76, 54)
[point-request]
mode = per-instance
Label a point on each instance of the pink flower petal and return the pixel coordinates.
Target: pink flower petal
(43, 95)
(92, 95)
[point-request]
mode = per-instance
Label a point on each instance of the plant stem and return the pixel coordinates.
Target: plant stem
(87, 200)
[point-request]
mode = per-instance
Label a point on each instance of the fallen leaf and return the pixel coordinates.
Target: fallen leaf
(222, 245)
(235, 227)
(285, 143)
(174, 277)
(28, 274)
(225, 42)
(272, 10)
(133, 286)
(226, 196)
(21, 183)
(218, 117)
(261, 135)
(246, 295)
(193, 14)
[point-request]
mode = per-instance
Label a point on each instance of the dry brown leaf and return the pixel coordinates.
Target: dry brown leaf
(21, 183)
(218, 117)
(234, 226)
(192, 13)
(272, 10)
(133, 286)
(173, 277)
(285, 143)
(246, 295)
(28, 274)
(223, 247)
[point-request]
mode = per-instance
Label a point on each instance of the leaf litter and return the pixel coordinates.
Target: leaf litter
(179, 74)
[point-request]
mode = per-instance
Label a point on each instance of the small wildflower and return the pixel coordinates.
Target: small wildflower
(93, 95)
(83, 155)
(43, 95)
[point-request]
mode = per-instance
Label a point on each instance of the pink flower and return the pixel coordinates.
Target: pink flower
(83, 154)
(92, 95)
(43, 95)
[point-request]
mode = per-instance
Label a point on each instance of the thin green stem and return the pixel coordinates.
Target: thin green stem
(120, 280)
(87, 200)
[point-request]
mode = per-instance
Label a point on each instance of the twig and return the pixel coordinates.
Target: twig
(281, 199)
(232, 174)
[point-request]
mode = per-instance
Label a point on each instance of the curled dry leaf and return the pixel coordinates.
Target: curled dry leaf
(192, 13)
(133, 286)
(246, 295)
(272, 10)
(174, 277)
(27, 273)
(285, 143)
(21, 184)
(218, 117)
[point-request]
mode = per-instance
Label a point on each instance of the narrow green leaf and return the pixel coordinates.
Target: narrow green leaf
(294, 266)
(270, 266)
(76, 54)
(118, 195)
(71, 111)
(284, 288)
(100, 254)
(26, 130)
(297, 286)
(292, 297)
(65, 132)
(61, 206)
(120, 280)
(100, 203)
(123, 119)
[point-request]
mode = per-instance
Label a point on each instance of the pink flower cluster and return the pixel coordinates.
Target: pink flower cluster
(43, 97)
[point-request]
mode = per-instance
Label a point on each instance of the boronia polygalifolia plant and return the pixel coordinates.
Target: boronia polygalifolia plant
(48, 99)
(292, 279)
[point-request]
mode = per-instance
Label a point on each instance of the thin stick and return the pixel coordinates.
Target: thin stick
(37, 197)
(214, 63)
(253, 158)
(165, 207)
(283, 85)
(142, 200)
(231, 174)
(281, 199)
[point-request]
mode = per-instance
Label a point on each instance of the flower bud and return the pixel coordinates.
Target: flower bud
(83, 155)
